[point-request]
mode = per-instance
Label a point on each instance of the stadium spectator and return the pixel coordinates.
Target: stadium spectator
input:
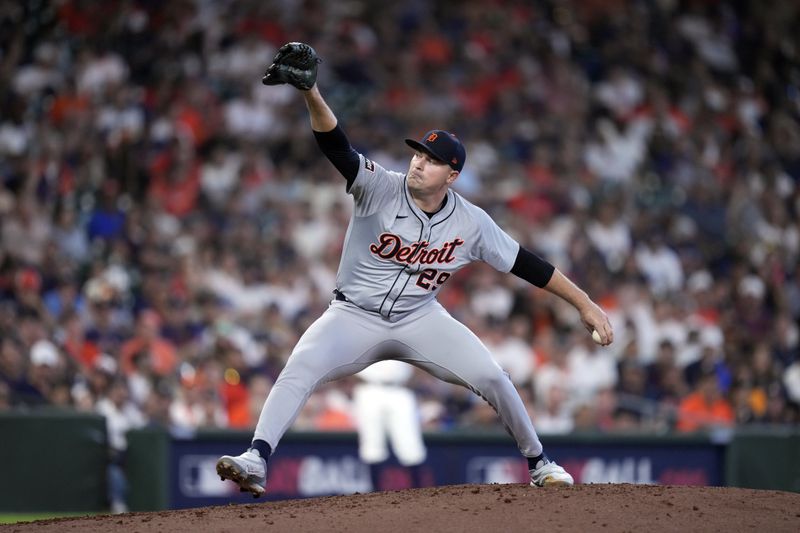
(121, 416)
(148, 342)
(705, 407)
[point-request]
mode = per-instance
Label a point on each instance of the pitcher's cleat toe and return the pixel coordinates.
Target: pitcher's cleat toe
(551, 475)
(248, 470)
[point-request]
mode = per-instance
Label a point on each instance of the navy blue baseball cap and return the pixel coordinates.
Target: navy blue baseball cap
(442, 145)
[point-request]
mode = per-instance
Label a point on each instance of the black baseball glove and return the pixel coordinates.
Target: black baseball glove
(295, 64)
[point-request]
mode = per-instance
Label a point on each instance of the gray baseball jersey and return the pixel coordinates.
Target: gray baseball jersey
(394, 261)
(396, 257)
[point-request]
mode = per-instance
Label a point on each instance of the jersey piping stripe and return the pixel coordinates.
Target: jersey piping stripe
(455, 200)
(389, 291)
(399, 295)
(410, 207)
(420, 238)
(409, 274)
(421, 229)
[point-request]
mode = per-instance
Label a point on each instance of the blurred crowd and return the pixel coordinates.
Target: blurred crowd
(169, 228)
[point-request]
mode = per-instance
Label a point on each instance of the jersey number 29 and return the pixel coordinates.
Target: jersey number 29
(426, 279)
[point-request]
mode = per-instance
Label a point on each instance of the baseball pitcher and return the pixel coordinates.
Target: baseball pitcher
(409, 233)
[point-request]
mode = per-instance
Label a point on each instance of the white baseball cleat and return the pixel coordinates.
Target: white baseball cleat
(550, 475)
(248, 470)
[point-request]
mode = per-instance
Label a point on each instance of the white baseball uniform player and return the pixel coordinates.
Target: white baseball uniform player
(386, 410)
(409, 233)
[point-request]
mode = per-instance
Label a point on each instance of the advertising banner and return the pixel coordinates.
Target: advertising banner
(310, 467)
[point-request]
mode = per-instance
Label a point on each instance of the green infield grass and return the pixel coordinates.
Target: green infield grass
(13, 518)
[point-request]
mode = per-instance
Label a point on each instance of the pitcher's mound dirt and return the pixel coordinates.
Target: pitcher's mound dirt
(459, 508)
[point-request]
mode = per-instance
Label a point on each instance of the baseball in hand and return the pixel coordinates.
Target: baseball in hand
(596, 337)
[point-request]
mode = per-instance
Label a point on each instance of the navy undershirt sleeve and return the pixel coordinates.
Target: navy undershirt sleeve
(336, 147)
(532, 268)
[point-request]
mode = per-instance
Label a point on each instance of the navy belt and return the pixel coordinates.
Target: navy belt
(339, 295)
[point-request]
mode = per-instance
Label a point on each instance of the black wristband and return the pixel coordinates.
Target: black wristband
(532, 268)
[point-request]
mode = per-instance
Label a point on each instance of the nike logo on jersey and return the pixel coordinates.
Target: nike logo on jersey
(390, 246)
(401, 216)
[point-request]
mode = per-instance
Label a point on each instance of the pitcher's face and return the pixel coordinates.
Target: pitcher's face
(428, 175)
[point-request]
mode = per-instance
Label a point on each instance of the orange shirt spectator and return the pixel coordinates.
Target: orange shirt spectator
(705, 408)
(236, 400)
(83, 351)
(175, 182)
(335, 414)
(161, 352)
